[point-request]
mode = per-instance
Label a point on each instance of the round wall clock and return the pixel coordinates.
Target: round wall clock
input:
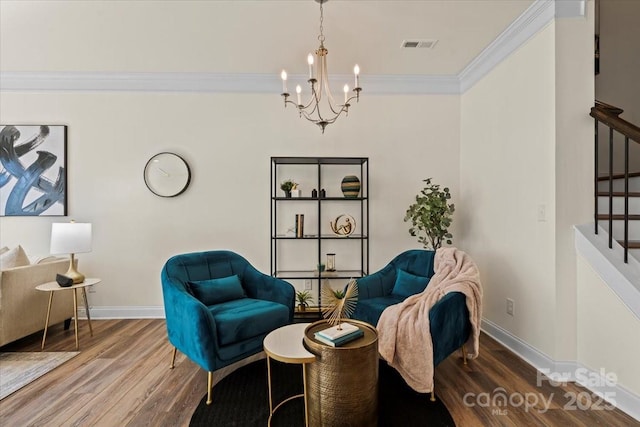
(167, 174)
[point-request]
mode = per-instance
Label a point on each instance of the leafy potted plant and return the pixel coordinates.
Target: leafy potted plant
(431, 216)
(286, 186)
(304, 298)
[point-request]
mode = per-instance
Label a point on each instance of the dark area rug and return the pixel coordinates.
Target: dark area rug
(242, 399)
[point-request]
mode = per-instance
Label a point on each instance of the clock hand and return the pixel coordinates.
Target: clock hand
(164, 172)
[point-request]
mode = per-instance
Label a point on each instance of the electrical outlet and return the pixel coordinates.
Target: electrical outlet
(307, 285)
(510, 307)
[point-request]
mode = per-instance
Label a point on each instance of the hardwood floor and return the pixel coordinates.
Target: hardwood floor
(121, 378)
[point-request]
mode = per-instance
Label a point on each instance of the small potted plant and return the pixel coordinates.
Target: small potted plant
(287, 186)
(304, 298)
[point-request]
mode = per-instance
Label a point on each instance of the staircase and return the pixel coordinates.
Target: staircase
(617, 201)
(617, 195)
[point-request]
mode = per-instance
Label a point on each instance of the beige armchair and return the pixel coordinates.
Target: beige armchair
(23, 309)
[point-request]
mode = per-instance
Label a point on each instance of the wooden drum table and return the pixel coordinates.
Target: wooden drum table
(342, 383)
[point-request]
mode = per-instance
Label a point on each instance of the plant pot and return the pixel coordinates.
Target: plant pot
(350, 186)
(302, 307)
(287, 194)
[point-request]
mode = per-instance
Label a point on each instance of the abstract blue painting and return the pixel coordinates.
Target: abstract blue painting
(33, 170)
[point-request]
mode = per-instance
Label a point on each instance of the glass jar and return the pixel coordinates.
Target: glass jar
(331, 262)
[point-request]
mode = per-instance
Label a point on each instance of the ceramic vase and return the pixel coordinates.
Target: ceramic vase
(350, 186)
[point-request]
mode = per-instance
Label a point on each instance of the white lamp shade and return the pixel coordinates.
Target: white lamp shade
(70, 237)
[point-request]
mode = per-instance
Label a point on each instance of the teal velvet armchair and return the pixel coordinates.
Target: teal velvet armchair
(219, 308)
(448, 318)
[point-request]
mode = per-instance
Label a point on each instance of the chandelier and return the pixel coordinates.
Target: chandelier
(315, 110)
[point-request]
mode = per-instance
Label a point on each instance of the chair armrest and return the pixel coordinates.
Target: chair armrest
(449, 325)
(190, 326)
(261, 286)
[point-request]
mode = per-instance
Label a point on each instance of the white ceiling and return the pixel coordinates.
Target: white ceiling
(243, 36)
(371, 33)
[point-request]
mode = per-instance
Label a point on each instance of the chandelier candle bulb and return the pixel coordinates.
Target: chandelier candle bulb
(283, 75)
(310, 61)
(346, 92)
(356, 72)
(299, 91)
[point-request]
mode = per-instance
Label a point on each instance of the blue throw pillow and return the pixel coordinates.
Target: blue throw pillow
(216, 291)
(408, 284)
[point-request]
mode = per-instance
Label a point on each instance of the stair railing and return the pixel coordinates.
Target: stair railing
(608, 115)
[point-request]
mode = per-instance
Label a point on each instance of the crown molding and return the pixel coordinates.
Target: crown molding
(212, 82)
(534, 19)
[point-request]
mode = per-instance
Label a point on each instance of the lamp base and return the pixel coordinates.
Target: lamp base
(73, 273)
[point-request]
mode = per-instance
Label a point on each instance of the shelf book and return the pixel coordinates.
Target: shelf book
(336, 337)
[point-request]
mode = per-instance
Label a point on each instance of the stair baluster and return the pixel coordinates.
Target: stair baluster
(608, 115)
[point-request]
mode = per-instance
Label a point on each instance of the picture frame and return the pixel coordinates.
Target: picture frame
(33, 170)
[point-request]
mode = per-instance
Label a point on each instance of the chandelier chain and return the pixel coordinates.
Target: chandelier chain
(321, 36)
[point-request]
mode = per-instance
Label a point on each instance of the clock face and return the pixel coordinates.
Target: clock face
(167, 175)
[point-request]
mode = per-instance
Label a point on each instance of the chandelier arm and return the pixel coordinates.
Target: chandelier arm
(313, 102)
(334, 111)
(356, 97)
(344, 110)
(325, 120)
(290, 102)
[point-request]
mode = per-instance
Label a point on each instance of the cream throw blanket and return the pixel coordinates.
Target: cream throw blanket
(404, 337)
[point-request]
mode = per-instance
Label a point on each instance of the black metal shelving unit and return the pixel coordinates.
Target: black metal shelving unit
(282, 244)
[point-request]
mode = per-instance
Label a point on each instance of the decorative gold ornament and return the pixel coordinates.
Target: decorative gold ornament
(338, 304)
(344, 225)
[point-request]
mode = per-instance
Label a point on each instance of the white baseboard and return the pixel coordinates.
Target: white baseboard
(133, 312)
(623, 399)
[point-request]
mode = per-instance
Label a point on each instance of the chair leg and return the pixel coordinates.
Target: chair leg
(173, 358)
(464, 353)
(433, 394)
(209, 386)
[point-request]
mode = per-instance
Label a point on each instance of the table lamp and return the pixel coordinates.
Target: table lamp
(71, 238)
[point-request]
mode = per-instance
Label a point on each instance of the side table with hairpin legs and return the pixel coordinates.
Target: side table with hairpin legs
(53, 287)
(285, 345)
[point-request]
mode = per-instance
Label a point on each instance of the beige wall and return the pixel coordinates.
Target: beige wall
(523, 149)
(507, 169)
(617, 83)
(227, 140)
(574, 165)
(608, 330)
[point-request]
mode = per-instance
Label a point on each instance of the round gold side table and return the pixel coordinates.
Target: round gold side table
(53, 287)
(342, 383)
(285, 345)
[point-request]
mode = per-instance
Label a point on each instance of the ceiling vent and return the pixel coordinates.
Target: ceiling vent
(423, 44)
